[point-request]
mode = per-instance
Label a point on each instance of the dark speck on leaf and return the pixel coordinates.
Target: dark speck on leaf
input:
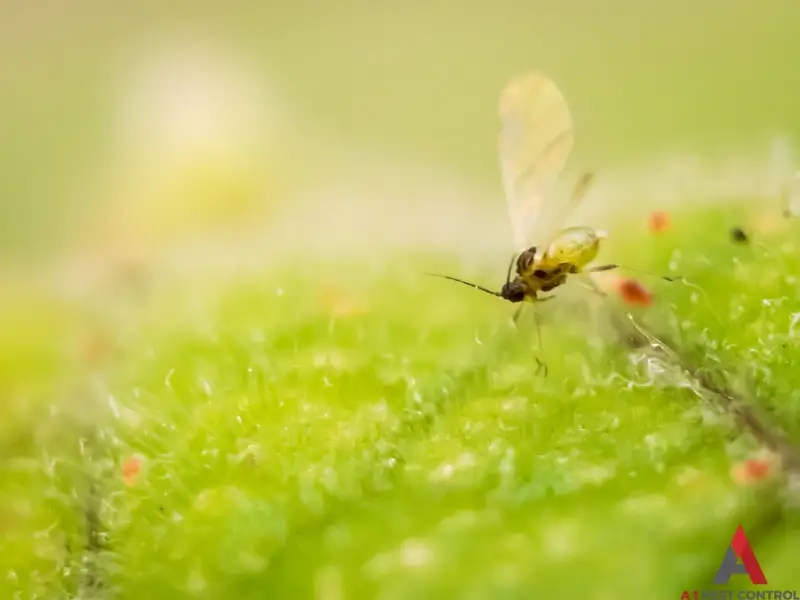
(738, 236)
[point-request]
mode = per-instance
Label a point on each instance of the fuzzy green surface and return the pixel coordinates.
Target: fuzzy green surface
(407, 452)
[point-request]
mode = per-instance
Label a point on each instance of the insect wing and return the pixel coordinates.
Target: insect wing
(791, 196)
(535, 140)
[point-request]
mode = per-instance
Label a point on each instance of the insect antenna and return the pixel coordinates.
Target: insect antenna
(472, 285)
(510, 266)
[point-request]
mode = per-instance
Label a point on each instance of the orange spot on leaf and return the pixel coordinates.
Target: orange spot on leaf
(634, 293)
(754, 470)
(659, 221)
(131, 467)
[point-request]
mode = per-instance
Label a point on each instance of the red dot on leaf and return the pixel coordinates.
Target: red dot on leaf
(634, 293)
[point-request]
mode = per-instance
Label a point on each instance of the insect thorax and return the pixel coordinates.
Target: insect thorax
(543, 278)
(569, 252)
(525, 261)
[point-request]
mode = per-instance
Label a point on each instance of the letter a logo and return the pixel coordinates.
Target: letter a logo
(740, 549)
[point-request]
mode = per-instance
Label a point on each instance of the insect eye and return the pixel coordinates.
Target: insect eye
(540, 274)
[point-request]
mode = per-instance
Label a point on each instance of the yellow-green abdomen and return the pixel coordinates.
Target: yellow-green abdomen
(576, 246)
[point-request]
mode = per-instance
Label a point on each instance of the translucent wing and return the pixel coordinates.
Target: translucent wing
(792, 197)
(535, 140)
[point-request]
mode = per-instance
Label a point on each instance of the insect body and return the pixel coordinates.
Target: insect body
(535, 140)
(569, 253)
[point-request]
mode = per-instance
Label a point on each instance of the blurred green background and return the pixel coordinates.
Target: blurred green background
(332, 426)
(414, 79)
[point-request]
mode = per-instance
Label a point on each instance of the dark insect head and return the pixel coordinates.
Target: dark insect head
(513, 291)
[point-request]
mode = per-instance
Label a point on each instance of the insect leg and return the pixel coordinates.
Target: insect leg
(517, 314)
(602, 268)
(589, 283)
(610, 267)
(541, 366)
